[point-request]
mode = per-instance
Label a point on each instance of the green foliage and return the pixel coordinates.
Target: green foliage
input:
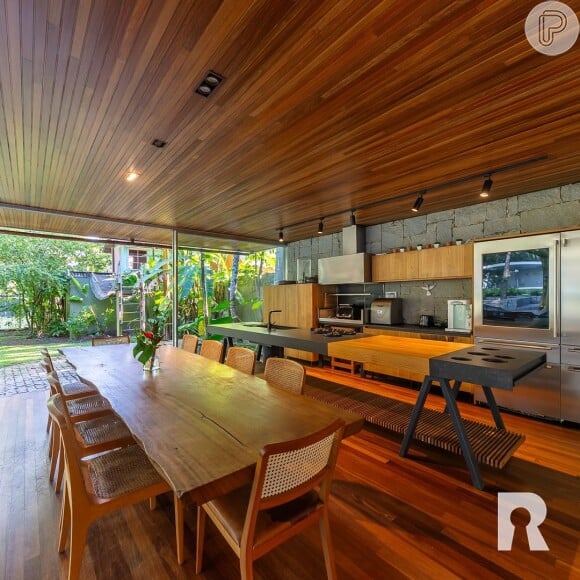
(33, 274)
(80, 324)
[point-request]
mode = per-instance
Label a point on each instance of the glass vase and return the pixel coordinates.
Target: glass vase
(152, 364)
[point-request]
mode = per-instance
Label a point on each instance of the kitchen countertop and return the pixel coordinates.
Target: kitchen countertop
(417, 328)
(298, 338)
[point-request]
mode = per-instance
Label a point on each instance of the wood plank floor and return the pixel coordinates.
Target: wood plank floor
(390, 517)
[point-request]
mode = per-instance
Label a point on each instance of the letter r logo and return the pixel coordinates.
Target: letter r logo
(534, 504)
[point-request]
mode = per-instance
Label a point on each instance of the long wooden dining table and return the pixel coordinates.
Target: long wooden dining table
(201, 423)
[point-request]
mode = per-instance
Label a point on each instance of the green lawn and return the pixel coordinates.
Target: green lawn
(16, 348)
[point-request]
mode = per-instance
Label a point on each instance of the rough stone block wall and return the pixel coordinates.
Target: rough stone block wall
(553, 208)
(549, 209)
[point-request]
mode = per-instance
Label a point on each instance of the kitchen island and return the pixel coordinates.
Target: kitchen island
(279, 336)
(447, 365)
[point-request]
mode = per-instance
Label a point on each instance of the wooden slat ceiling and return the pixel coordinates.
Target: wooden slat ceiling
(326, 106)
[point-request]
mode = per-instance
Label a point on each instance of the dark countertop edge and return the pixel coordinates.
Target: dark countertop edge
(417, 328)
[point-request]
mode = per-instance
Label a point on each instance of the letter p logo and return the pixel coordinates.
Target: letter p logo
(534, 504)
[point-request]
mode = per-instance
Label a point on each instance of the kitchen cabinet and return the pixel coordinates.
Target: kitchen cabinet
(429, 264)
(299, 305)
(395, 267)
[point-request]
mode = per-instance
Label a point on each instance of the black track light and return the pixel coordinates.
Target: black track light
(281, 236)
(321, 226)
(486, 188)
(352, 218)
(418, 202)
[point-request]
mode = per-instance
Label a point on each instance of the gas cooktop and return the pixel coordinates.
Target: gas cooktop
(333, 331)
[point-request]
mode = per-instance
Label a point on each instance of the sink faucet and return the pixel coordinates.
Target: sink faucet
(270, 318)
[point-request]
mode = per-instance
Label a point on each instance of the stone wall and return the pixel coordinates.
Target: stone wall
(549, 209)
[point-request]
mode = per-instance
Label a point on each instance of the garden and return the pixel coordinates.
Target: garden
(61, 293)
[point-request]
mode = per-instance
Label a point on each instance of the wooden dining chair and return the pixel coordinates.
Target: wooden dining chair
(92, 436)
(189, 342)
(212, 349)
(285, 373)
(289, 493)
(98, 485)
(241, 358)
(79, 408)
(102, 340)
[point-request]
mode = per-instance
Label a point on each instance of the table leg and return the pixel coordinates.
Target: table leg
(454, 392)
(461, 435)
(493, 407)
(410, 431)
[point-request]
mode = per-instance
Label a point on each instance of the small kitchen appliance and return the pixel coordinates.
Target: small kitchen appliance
(387, 311)
(459, 316)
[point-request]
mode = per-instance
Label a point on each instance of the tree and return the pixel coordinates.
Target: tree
(34, 272)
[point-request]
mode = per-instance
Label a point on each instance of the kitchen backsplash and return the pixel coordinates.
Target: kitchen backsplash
(416, 301)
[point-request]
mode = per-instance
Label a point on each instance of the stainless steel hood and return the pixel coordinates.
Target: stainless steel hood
(353, 267)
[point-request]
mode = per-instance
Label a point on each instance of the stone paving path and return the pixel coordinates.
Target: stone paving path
(23, 378)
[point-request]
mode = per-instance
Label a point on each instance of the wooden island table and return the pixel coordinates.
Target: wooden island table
(447, 365)
(201, 423)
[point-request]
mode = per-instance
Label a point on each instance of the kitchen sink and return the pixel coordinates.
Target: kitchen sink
(264, 325)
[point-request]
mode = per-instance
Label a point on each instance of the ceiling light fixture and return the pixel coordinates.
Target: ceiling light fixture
(208, 85)
(281, 236)
(352, 218)
(321, 226)
(159, 143)
(131, 176)
(486, 188)
(418, 202)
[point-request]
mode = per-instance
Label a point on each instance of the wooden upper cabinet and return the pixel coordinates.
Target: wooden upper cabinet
(430, 264)
(395, 267)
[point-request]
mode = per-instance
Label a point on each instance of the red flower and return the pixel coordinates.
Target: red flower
(149, 335)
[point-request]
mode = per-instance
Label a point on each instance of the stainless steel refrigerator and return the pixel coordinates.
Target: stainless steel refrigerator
(527, 295)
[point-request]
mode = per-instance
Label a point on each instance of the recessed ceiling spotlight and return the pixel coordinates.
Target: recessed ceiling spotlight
(159, 143)
(210, 82)
(131, 176)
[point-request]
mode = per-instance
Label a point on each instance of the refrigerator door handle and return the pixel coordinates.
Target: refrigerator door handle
(557, 291)
(516, 344)
(574, 369)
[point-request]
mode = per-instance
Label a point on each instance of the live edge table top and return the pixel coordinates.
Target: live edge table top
(200, 422)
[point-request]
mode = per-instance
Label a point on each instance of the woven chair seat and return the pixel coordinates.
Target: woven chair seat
(77, 388)
(85, 405)
(121, 471)
(102, 430)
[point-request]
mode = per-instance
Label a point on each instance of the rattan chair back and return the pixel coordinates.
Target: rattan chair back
(241, 358)
(285, 373)
(102, 340)
(189, 342)
(289, 492)
(212, 349)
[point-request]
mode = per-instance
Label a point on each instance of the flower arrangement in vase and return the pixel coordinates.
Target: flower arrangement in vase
(148, 339)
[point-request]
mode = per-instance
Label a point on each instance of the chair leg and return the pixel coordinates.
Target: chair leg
(55, 455)
(178, 508)
(78, 539)
(64, 521)
(200, 539)
(246, 565)
(327, 546)
(59, 475)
